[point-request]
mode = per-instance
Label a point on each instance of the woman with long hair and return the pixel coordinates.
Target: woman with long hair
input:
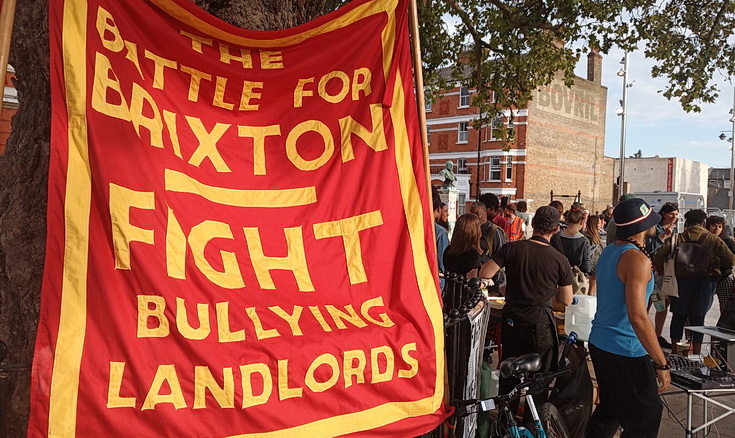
(665, 229)
(592, 233)
(716, 226)
(463, 255)
(572, 243)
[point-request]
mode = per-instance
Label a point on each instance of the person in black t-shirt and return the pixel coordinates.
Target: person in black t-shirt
(462, 256)
(535, 273)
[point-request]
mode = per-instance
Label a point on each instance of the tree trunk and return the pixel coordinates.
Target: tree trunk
(24, 176)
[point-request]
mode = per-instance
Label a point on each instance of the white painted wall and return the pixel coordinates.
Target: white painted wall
(652, 174)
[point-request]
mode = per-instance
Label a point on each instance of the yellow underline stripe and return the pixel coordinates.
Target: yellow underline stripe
(182, 183)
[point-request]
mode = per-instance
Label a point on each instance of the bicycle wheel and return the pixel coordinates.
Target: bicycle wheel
(554, 425)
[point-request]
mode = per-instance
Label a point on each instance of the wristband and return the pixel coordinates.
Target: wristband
(663, 367)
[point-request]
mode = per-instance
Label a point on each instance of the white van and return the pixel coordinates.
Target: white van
(686, 202)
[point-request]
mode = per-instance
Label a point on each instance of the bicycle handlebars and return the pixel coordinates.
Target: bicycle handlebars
(537, 383)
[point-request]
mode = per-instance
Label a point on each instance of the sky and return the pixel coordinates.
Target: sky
(657, 126)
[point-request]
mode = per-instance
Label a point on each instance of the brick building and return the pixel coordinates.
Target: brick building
(10, 106)
(559, 142)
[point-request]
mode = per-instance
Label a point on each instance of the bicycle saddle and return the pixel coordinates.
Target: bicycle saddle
(527, 364)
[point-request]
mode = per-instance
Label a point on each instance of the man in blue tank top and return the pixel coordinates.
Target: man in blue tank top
(624, 347)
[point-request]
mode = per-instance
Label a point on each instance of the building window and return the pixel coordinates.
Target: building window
(461, 165)
(427, 108)
(495, 169)
(463, 132)
(496, 129)
(509, 169)
(428, 135)
(464, 97)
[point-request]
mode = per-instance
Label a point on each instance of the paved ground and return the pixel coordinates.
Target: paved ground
(675, 413)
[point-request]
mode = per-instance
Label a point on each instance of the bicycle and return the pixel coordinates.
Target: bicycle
(548, 424)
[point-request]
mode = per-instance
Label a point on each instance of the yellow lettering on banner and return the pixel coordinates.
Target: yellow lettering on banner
(293, 153)
(384, 321)
(248, 94)
(175, 248)
(412, 362)
(114, 400)
(208, 144)
(285, 391)
(294, 261)
(299, 93)
(343, 89)
(267, 198)
(270, 60)
(248, 397)
(196, 41)
(219, 94)
(225, 56)
(106, 25)
(291, 319)
(204, 380)
(182, 320)
(377, 375)
(132, 56)
(195, 81)
(375, 138)
(349, 230)
(199, 236)
(104, 84)
(160, 63)
(170, 119)
(157, 312)
(122, 200)
(310, 380)
(258, 134)
(320, 318)
(260, 332)
(361, 82)
(223, 325)
(351, 370)
(351, 316)
(164, 374)
(154, 124)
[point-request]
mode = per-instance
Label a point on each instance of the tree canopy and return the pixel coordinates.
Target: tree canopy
(510, 47)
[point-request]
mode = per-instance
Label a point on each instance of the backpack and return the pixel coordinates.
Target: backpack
(488, 238)
(595, 253)
(692, 260)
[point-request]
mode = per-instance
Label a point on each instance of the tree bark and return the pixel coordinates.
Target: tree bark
(24, 177)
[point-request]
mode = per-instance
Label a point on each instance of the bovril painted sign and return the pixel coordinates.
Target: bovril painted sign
(568, 102)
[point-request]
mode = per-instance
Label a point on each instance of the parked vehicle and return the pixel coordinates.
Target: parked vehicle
(686, 202)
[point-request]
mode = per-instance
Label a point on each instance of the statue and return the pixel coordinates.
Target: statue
(448, 174)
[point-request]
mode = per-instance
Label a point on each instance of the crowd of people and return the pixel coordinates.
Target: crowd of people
(537, 260)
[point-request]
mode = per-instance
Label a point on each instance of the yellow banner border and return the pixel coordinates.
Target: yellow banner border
(63, 398)
(180, 13)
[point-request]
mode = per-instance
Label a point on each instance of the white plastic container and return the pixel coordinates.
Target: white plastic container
(578, 317)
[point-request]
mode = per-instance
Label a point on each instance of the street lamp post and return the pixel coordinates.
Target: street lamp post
(732, 154)
(622, 113)
(731, 139)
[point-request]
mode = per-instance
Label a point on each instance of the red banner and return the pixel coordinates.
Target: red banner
(239, 242)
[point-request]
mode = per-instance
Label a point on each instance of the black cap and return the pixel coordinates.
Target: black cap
(547, 217)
